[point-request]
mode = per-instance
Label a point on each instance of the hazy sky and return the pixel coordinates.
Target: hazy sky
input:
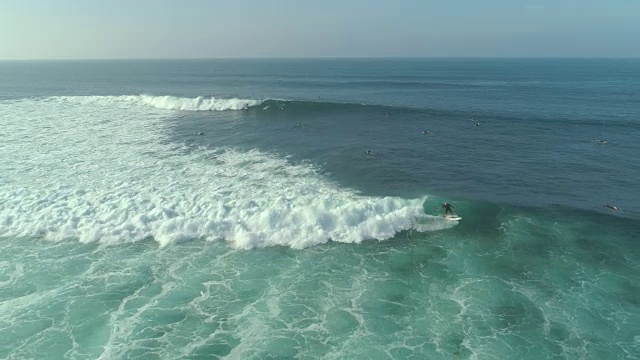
(88, 29)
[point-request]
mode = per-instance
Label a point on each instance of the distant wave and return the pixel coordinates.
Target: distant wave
(206, 103)
(200, 103)
(210, 103)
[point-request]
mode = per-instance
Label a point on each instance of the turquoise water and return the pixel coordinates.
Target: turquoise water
(228, 209)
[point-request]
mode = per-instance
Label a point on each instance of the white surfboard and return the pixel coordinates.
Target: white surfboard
(453, 217)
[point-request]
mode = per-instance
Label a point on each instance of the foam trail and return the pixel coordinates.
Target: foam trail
(90, 170)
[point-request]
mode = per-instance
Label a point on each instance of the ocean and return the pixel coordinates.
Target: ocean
(290, 209)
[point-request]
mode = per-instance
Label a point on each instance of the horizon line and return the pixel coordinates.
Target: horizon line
(332, 58)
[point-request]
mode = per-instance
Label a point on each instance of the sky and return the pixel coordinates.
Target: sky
(122, 29)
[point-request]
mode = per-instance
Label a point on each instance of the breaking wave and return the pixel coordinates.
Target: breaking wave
(84, 170)
(200, 103)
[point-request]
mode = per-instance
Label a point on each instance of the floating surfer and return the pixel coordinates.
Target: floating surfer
(614, 208)
(427, 132)
(370, 153)
(601, 141)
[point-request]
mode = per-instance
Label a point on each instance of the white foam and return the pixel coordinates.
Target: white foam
(100, 169)
(199, 103)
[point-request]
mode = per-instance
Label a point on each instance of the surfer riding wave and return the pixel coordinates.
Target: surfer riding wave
(447, 209)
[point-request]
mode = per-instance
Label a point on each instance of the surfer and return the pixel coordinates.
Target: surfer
(614, 208)
(426, 132)
(447, 208)
(370, 153)
(601, 141)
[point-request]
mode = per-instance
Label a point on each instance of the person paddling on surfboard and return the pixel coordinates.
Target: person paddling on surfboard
(447, 209)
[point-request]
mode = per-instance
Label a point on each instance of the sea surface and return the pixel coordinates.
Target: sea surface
(228, 209)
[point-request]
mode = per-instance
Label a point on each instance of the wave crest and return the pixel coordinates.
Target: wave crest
(199, 103)
(167, 102)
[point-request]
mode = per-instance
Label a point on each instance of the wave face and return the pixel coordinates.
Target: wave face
(102, 169)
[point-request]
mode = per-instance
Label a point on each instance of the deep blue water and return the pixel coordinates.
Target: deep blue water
(228, 208)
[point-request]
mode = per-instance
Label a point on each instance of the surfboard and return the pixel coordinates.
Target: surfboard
(452, 217)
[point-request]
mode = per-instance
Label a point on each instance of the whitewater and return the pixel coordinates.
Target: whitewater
(100, 169)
